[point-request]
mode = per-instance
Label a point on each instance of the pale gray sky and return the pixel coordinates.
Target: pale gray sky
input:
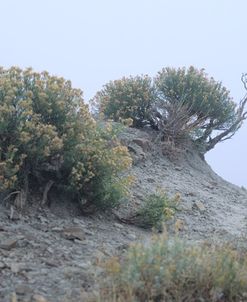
(94, 41)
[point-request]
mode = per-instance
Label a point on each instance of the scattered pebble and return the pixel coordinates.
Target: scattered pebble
(8, 244)
(200, 206)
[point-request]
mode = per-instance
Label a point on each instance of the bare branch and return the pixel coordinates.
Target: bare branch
(244, 80)
(241, 115)
(12, 193)
(48, 186)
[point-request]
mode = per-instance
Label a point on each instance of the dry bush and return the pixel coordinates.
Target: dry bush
(172, 270)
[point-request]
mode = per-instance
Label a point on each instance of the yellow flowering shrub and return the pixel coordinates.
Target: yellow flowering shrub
(47, 133)
(99, 175)
(127, 98)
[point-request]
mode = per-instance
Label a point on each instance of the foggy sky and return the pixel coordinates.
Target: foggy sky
(92, 42)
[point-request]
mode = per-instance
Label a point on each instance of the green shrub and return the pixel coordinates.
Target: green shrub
(47, 133)
(130, 97)
(172, 270)
(204, 96)
(157, 209)
(184, 105)
(194, 104)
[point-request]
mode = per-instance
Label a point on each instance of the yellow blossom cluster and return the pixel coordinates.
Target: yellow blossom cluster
(44, 122)
(128, 99)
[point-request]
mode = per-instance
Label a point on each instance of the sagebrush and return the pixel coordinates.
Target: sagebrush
(173, 270)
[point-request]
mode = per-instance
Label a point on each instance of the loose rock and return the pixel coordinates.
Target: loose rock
(2, 265)
(71, 233)
(200, 206)
(8, 244)
(23, 289)
(39, 298)
(15, 267)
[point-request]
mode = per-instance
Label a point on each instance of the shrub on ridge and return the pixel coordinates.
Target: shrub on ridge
(129, 97)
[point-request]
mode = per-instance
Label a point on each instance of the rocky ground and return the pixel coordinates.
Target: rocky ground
(53, 254)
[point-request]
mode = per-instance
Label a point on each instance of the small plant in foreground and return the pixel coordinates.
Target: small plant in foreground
(157, 209)
(173, 270)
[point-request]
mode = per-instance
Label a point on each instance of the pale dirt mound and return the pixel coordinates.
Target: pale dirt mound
(54, 252)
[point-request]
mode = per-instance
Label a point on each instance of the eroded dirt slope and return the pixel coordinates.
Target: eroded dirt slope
(210, 206)
(53, 253)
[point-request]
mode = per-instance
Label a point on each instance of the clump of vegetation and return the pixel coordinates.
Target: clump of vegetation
(157, 209)
(172, 270)
(48, 136)
(193, 104)
(182, 104)
(129, 97)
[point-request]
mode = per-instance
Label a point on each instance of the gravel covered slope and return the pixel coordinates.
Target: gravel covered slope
(52, 254)
(210, 206)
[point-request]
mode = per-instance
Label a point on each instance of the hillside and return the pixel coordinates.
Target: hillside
(209, 204)
(52, 254)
